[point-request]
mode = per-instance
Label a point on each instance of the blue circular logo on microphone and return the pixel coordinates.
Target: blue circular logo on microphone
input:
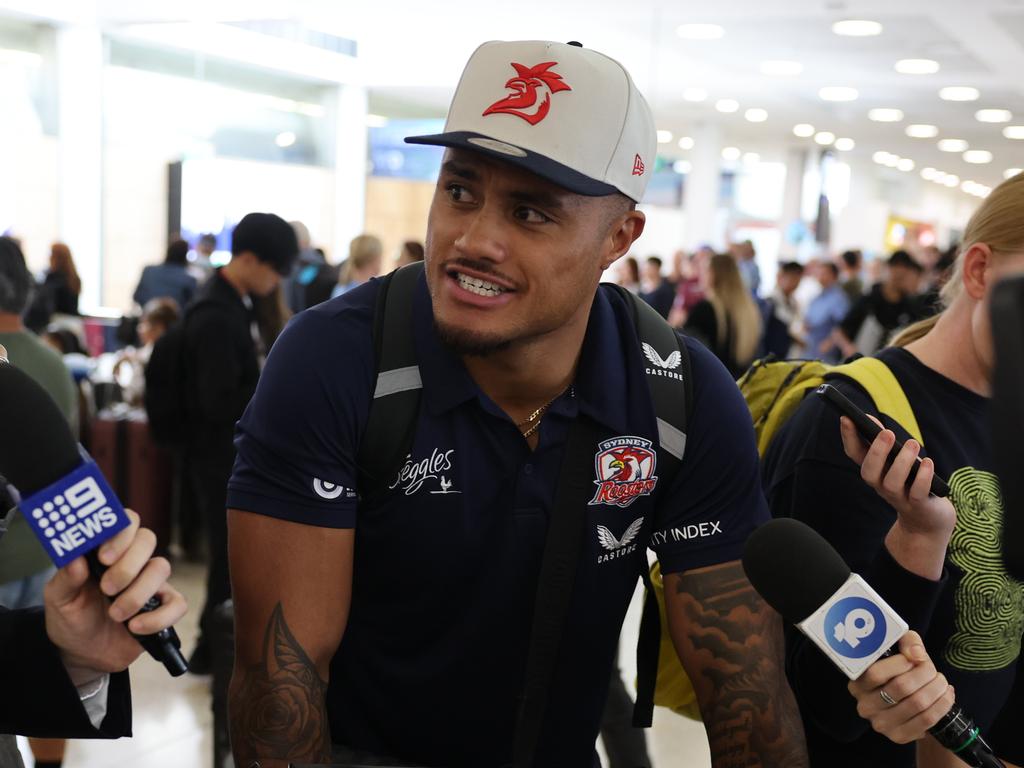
(855, 627)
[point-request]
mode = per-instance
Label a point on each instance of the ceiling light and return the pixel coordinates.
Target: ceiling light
(993, 116)
(881, 157)
(782, 68)
(1009, 173)
(953, 145)
(803, 130)
(917, 66)
(700, 31)
(857, 28)
(885, 115)
(905, 164)
(756, 115)
(844, 144)
(685, 142)
(682, 166)
(727, 105)
(825, 138)
(285, 139)
(695, 94)
(977, 156)
(664, 137)
(952, 180)
(376, 121)
(940, 176)
(968, 186)
(892, 161)
(1014, 132)
(959, 93)
(751, 158)
(928, 174)
(922, 131)
(838, 93)
(731, 153)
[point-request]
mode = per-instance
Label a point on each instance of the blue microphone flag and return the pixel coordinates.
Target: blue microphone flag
(76, 514)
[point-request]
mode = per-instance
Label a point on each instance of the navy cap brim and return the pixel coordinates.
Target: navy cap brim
(543, 166)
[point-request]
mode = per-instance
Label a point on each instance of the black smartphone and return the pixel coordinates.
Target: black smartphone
(868, 431)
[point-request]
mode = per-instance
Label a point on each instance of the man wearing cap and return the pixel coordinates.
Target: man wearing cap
(396, 628)
(221, 367)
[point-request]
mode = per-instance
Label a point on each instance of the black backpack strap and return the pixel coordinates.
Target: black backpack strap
(391, 425)
(671, 383)
(668, 377)
(565, 538)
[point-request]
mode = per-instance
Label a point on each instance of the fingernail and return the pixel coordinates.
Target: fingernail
(116, 614)
(919, 653)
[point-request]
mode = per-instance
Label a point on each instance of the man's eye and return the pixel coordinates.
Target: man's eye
(458, 193)
(531, 215)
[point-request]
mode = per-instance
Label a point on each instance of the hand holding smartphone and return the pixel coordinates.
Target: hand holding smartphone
(868, 430)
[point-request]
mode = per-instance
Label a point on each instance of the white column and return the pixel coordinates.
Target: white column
(792, 196)
(350, 158)
(703, 187)
(80, 153)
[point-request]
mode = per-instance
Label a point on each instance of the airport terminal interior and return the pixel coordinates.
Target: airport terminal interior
(814, 142)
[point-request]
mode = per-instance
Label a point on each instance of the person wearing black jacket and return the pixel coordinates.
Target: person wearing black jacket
(222, 366)
(64, 671)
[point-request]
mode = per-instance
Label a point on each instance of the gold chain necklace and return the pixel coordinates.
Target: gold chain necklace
(532, 422)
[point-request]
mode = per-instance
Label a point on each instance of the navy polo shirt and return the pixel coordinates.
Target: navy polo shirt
(446, 564)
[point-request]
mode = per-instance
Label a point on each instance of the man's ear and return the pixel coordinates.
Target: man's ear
(623, 232)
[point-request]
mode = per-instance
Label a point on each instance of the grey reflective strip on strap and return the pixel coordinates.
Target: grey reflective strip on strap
(398, 380)
(672, 440)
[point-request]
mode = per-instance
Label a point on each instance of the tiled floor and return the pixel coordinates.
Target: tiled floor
(173, 720)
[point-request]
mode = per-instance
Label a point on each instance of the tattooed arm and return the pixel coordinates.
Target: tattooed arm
(292, 587)
(730, 643)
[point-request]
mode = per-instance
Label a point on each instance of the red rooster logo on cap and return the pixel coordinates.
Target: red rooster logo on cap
(531, 92)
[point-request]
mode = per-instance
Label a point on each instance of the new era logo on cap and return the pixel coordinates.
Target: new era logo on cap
(566, 113)
(74, 515)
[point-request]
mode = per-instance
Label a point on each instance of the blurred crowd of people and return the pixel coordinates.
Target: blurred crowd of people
(826, 309)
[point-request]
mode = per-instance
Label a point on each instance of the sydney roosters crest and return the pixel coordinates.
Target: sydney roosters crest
(531, 92)
(625, 470)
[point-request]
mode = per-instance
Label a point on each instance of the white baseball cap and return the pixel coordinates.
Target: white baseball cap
(568, 114)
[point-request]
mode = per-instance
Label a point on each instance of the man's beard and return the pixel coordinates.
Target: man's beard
(467, 342)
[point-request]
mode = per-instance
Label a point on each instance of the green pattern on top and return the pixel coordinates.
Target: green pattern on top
(989, 603)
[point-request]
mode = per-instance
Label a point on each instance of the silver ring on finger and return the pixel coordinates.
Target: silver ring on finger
(887, 698)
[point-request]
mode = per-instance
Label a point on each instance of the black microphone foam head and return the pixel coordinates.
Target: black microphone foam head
(36, 444)
(793, 568)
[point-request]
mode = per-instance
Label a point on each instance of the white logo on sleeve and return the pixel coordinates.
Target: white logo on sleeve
(618, 547)
(326, 490)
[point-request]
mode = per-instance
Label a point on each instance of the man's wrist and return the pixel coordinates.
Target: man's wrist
(921, 552)
(79, 674)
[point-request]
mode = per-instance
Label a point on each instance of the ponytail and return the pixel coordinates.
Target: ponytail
(914, 331)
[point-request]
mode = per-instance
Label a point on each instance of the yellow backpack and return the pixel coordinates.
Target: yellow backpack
(773, 389)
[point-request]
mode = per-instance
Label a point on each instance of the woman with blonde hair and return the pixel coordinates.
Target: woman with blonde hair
(937, 561)
(363, 262)
(727, 320)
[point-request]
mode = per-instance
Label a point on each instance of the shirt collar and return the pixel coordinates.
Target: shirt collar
(604, 387)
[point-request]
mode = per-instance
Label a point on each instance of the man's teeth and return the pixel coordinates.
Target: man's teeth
(479, 287)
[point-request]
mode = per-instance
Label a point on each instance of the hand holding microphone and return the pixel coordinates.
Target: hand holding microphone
(83, 528)
(903, 695)
(84, 619)
(802, 577)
